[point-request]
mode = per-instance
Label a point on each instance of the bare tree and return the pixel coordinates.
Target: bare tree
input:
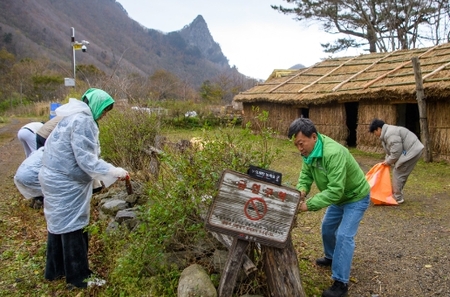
(384, 25)
(163, 85)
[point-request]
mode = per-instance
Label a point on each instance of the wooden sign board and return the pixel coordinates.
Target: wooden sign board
(253, 210)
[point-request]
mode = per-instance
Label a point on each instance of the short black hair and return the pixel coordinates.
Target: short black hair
(376, 123)
(303, 125)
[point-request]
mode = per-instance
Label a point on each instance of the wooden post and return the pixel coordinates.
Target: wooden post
(248, 266)
(232, 267)
(424, 134)
(281, 269)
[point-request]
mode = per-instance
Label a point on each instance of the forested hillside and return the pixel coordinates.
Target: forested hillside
(42, 28)
(123, 57)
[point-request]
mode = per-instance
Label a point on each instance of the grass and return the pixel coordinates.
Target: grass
(23, 241)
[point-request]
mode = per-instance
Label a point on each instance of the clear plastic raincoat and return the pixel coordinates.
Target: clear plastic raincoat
(26, 177)
(70, 163)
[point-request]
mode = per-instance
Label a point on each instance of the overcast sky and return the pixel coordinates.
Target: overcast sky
(254, 37)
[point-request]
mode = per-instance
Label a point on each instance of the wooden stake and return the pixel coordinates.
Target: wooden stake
(232, 267)
(282, 272)
(424, 134)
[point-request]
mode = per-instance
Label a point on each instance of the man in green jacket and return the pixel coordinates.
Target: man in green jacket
(343, 189)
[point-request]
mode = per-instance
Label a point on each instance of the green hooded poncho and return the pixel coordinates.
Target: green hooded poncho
(98, 100)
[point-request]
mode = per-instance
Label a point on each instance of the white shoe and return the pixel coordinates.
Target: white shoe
(400, 201)
(96, 282)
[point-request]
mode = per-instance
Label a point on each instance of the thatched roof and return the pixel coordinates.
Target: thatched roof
(377, 76)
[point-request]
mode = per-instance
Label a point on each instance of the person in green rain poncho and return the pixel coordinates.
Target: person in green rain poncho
(70, 163)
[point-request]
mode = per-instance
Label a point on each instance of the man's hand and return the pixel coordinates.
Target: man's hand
(302, 206)
(302, 195)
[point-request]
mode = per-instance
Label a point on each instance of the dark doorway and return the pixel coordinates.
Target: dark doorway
(408, 117)
(303, 112)
(351, 111)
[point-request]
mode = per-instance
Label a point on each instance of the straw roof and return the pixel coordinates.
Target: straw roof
(376, 76)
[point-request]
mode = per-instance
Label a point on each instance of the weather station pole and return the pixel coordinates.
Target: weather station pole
(75, 45)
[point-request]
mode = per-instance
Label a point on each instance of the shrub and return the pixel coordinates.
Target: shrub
(126, 136)
(173, 218)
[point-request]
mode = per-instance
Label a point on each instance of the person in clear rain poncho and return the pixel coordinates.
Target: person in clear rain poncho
(70, 163)
(27, 181)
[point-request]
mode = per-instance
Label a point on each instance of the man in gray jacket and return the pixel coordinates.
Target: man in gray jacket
(403, 150)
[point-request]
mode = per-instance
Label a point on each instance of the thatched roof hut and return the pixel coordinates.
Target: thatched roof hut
(343, 95)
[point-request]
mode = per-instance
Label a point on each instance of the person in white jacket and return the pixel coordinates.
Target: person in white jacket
(70, 163)
(403, 151)
(27, 136)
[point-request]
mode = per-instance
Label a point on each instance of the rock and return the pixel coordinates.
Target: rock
(112, 206)
(220, 258)
(112, 227)
(126, 214)
(194, 281)
(127, 217)
(131, 199)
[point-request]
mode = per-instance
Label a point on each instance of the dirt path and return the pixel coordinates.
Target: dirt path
(11, 152)
(25, 239)
(401, 251)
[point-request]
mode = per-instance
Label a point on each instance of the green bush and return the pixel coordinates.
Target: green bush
(126, 136)
(12, 103)
(172, 218)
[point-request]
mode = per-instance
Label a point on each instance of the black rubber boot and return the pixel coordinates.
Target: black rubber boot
(325, 262)
(338, 289)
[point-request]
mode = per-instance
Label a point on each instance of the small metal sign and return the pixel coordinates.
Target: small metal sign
(265, 174)
(69, 82)
(253, 210)
(77, 46)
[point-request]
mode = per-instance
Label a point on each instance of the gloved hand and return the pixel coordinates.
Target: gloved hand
(119, 173)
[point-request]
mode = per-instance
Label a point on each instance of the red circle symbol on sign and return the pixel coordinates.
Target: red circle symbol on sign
(255, 209)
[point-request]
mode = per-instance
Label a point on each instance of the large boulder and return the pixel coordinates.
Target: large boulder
(194, 281)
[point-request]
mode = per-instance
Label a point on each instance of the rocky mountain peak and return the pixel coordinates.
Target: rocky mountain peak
(199, 22)
(197, 35)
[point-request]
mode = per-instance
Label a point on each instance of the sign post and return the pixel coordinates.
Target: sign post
(254, 210)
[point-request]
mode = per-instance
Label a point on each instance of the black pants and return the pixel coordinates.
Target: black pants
(40, 141)
(67, 255)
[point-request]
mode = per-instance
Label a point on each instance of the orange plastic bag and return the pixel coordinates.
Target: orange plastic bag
(379, 179)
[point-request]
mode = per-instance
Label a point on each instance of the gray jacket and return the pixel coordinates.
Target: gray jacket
(400, 144)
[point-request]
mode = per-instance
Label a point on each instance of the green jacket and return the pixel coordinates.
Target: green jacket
(336, 174)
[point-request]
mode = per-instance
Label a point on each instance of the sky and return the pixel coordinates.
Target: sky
(255, 38)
